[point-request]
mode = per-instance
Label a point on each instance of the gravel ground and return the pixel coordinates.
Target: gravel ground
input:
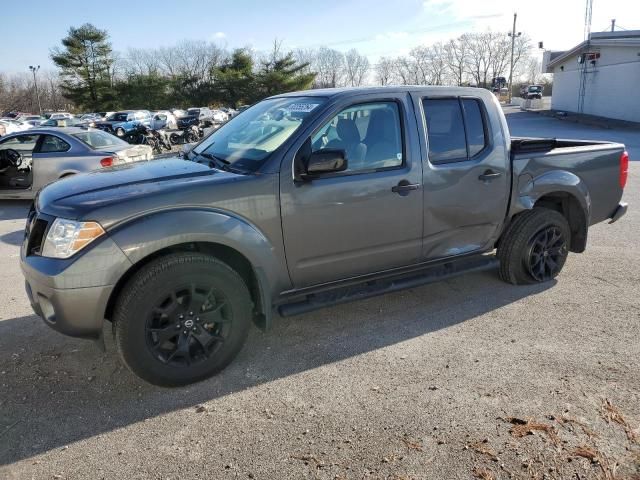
(468, 378)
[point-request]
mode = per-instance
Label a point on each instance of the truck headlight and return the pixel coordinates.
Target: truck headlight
(67, 237)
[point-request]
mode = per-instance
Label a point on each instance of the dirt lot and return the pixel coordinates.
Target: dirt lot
(468, 378)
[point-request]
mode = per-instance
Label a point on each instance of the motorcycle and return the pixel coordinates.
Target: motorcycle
(191, 134)
(160, 141)
(143, 135)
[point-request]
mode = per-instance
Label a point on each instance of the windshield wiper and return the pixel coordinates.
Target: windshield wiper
(222, 163)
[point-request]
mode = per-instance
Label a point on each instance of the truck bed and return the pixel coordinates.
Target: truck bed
(595, 164)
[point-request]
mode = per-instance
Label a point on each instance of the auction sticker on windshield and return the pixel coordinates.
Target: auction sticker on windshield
(302, 107)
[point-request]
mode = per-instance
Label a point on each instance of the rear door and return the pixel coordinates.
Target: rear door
(356, 222)
(466, 175)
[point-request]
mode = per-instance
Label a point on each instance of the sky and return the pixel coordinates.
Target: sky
(376, 28)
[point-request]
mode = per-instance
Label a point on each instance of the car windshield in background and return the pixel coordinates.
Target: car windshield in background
(97, 139)
(118, 117)
(248, 139)
(193, 111)
(535, 89)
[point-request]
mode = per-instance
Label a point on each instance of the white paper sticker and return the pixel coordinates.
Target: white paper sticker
(302, 107)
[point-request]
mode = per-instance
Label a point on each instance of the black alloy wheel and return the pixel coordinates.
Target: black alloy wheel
(188, 325)
(547, 253)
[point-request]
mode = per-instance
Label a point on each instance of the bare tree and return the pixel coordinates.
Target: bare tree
(17, 92)
(139, 61)
(406, 71)
(356, 68)
(306, 56)
(533, 70)
(385, 71)
(329, 64)
(457, 57)
(189, 58)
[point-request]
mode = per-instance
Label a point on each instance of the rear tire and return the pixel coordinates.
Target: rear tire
(534, 247)
(181, 319)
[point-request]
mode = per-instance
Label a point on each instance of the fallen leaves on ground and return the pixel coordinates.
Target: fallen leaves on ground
(412, 445)
(483, 448)
(611, 413)
(585, 451)
(529, 426)
(483, 474)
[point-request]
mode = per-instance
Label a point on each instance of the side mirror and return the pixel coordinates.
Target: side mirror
(326, 161)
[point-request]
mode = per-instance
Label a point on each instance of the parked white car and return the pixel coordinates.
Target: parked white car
(58, 115)
(13, 126)
(163, 119)
(219, 116)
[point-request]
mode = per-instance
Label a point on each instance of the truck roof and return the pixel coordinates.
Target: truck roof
(346, 91)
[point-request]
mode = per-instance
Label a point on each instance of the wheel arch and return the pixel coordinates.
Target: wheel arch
(569, 206)
(253, 277)
(221, 234)
(563, 192)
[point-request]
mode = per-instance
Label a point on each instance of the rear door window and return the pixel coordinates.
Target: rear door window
(445, 130)
(456, 129)
(475, 126)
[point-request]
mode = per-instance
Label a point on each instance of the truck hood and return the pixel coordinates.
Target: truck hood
(113, 194)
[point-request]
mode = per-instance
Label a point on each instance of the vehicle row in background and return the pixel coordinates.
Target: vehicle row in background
(119, 123)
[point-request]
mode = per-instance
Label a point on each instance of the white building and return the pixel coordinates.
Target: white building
(600, 77)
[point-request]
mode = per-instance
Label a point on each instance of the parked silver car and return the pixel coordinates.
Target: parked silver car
(30, 160)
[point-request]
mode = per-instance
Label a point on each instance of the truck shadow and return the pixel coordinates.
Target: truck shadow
(13, 238)
(56, 390)
(14, 209)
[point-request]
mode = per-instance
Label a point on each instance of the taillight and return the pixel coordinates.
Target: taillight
(624, 169)
(106, 162)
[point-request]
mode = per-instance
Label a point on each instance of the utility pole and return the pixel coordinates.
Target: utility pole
(34, 70)
(513, 36)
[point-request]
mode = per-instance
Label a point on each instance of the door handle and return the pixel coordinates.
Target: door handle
(489, 175)
(404, 187)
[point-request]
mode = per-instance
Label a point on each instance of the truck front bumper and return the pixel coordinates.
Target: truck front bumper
(71, 295)
(77, 312)
(619, 212)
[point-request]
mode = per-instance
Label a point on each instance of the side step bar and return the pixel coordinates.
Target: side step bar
(443, 271)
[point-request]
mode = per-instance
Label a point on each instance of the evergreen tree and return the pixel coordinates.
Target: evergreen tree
(234, 80)
(284, 74)
(85, 62)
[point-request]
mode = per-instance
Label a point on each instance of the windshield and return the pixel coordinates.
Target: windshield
(118, 117)
(97, 139)
(535, 89)
(193, 111)
(248, 139)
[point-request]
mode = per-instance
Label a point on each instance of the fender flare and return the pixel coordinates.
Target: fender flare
(146, 235)
(554, 181)
(531, 189)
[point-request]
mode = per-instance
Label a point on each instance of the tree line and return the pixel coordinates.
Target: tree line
(93, 77)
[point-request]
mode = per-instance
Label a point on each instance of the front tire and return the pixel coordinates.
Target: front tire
(534, 247)
(182, 318)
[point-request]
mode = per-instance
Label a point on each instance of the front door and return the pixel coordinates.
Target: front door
(16, 174)
(367, 218)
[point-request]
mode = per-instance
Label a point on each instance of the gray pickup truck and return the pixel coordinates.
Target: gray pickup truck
(305, 200)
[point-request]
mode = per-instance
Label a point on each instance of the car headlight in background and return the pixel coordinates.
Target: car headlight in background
(67, 237)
